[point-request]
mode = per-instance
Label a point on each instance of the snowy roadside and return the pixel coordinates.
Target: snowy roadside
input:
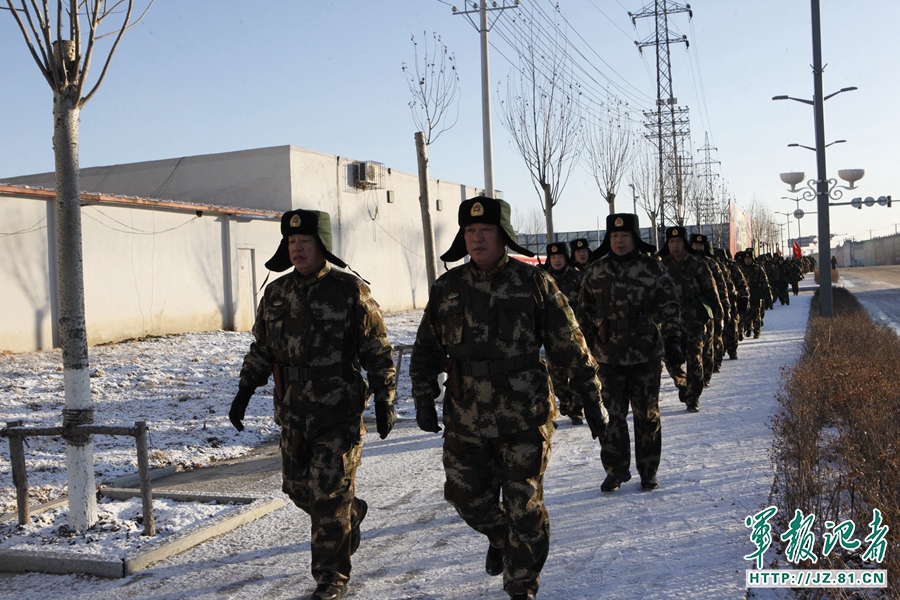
(182, 385)
(686, 540)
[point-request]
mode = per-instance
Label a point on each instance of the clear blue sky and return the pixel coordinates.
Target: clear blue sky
(206, 76)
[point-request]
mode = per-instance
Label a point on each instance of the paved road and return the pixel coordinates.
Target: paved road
(878, 289)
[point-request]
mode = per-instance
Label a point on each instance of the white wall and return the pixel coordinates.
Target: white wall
(26, 318)
(153, 270)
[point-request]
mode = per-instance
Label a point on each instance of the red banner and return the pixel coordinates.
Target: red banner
(797, 252)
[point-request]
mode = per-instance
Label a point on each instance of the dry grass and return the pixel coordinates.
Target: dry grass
(837, 438)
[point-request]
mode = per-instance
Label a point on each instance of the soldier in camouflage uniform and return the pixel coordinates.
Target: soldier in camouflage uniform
(484, 324)
(581, 253)
(626, 299)
(713, 345)
(314, 328)
(731, 335)
(759, 293)
(568, 280)
(699, 298)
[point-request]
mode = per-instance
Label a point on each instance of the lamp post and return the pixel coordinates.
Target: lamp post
(788, 215)
(634, 197)
(826, 306)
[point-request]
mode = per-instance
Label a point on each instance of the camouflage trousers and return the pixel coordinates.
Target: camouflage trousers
(477, 470)
(730, 335)
(319, 476)
(636, 386)
(709, 351)
(568, 404)
(755, 317)
(689, 381)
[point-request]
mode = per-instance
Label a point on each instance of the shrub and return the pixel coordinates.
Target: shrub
(837, 437)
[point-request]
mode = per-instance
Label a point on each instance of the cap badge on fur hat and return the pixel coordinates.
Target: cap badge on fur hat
(675, 232)
(579, 243)
(295, 221)
(477, 210)
(554, 248)
(619, 222)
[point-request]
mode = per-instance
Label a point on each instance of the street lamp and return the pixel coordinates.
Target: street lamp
(813, 149)
(634, 196)
(826, 304)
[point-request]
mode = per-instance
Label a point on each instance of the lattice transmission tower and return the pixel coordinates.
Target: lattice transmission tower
(708, 213)
(668, 125)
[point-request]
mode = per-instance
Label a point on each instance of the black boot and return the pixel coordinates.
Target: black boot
(493, 563)
(330, 591)
(355, 534)
(612, 482)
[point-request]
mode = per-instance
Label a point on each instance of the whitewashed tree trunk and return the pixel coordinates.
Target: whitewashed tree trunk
(73, 333)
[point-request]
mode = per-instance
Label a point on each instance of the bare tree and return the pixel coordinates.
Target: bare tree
(761, 218)
(56, 40)
(543, 115)
(434, 85)
(608, 149)
(528, 222)
(645, 179)
(721, 219)
(695, 202)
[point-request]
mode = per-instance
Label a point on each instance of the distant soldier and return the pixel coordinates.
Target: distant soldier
(782, 280)
(484, 325)
(731, 334)
(581, 253)
(796, 274)
(714, 345)
(626, 299)
(568, 280)
(758, 283)
(699, 298)
(314, 329)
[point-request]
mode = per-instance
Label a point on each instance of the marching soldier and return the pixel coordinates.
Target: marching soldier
(713, 348)
(568, 280)
(626, 300)
(699, 298)
(484, 324)
(314, 328)
(731, 335)
(581, 253)
(759, 293)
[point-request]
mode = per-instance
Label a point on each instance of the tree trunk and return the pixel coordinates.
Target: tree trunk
(654, 233)
(425, 205)
(548, 213)
(611, 200)
(72, 330)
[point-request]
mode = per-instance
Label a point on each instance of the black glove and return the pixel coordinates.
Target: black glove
(426, 417)
(385, 417)
(674, 353)
(238, 406)
(597, 419)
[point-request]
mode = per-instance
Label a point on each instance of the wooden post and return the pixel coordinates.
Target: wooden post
(20, 477)
(144, 475)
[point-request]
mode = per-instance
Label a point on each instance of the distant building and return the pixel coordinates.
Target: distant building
(179, 244)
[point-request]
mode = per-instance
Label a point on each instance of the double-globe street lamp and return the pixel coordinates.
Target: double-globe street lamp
(822, 191)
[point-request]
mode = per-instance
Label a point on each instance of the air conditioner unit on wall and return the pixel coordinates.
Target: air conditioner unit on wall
(367, 174)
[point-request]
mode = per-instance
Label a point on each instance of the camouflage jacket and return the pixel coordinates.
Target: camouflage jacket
(693, 281)
(569, 283)
(633, 296)
(757, 281)
(737, 277)
(731, 296)
(321, 328)
(723, 311)
(493, 323)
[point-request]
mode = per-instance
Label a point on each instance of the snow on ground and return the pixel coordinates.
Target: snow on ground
(685, 540)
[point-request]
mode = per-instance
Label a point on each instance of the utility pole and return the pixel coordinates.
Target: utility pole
(709, 176)
(670, 123)
(483, 28)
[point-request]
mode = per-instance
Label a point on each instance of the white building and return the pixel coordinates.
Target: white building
(180, 244)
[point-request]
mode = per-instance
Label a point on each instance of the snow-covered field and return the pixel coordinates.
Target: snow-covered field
(685, 540)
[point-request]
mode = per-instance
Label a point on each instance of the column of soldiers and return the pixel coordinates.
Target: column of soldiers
(606, 322)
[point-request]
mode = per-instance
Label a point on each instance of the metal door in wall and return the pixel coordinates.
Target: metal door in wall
(245, 311)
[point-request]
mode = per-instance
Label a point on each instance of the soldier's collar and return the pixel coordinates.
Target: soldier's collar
(479, 274)
(312, 278)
